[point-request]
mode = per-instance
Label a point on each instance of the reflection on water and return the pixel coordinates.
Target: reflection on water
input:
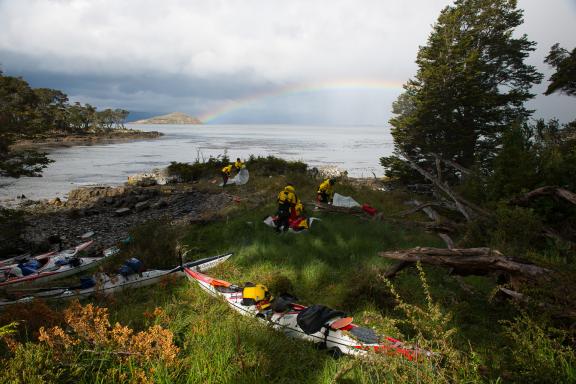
(356, 149)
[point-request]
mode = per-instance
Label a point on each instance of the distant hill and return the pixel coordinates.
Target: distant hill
(171, 118)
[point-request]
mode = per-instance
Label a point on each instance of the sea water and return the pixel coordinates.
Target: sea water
(356, 149)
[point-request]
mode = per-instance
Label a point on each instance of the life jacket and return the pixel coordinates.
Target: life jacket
(326, 188)
(227, 170)
(298, 208)
(287, 197)
(299, 223)
(238, 164)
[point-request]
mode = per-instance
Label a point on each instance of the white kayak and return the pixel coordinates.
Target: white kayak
(105, 285)
(339, 335)
(51, 267)
(14, 261)
(23, 258)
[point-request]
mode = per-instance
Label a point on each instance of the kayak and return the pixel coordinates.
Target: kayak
(337, 334)
(51, 267)
(14, 261)
(23, 258)
(102, 284)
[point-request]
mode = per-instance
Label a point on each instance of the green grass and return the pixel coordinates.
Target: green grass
(335, 263)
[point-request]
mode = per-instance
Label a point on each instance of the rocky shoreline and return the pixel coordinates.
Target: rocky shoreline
(64, 140)
(106, 214)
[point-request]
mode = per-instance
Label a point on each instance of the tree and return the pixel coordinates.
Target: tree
(564, 79)
(470, 87)
(19, 119)
(27, 113)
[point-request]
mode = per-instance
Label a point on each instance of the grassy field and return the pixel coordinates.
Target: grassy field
(335, 263)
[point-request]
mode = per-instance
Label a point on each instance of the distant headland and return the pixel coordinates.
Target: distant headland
(171, 118)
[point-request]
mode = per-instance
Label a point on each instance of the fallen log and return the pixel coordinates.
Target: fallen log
(394, 269)
(332, 208)
(467, 260)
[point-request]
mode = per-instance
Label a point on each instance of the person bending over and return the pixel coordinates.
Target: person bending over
(226, 171)
(286, 203)
(325, 192)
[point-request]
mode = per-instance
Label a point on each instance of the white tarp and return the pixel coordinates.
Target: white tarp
(344, 201)
(240, 179)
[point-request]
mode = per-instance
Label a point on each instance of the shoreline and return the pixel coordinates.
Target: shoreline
(66, 140)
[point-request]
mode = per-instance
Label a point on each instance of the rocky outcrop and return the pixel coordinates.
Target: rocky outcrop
(171, 118)
(147, 179)
(328, 172)
(110, 212)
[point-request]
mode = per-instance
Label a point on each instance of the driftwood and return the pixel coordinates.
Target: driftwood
(546, 191)
(513, 294)
(468, 260)
(332, 208)
(394, 269)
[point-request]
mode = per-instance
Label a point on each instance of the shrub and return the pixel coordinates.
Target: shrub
(515, 230)
(538, 353)
(431, 326)
(90, 349)
(154, 243)
(272, 165)
(30, 318)
(199, 169)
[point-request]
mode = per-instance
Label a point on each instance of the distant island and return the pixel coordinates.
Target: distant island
(171, 118)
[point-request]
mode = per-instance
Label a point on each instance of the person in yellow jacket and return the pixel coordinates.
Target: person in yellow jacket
(226, 171)
(325, 192)
(238, 164)
(286, 203)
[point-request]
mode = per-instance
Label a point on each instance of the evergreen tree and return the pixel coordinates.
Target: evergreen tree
(470, 87)
(564, 80)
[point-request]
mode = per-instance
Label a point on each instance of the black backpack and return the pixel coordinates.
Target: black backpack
(313, 318)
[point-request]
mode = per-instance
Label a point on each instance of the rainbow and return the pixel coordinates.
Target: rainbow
(357, 84)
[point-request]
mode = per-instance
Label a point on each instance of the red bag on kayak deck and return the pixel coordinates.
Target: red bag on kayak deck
(369, 210)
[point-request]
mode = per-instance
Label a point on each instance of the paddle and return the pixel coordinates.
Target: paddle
(195, 263)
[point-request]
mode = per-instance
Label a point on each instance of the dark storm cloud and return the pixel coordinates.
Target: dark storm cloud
(102, 85)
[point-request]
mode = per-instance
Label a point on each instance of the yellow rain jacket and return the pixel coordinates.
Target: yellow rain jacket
(227, 170)
(238, 164)
(327, 188)
(287, 196)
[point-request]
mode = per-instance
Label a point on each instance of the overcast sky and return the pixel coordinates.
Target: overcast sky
(342, 61)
